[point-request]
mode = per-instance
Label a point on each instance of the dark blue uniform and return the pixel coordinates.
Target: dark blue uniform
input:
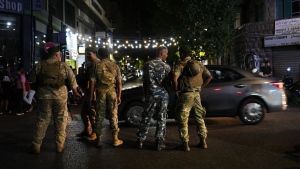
(157, 98)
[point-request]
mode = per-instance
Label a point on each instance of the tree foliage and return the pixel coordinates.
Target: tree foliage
(206, 24)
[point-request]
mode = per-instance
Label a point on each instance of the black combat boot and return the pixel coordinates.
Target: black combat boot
(139, 144)
(160, 145)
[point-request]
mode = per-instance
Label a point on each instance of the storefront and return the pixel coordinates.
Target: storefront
(284, 57)
(10, 33)
(285, 46)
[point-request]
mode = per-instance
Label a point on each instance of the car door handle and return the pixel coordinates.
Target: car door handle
(239, 86)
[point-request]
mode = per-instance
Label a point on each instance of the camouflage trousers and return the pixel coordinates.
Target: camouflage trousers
(187, 102)
(47, 108)
(88, 115)
(152, 106)
(106, 107)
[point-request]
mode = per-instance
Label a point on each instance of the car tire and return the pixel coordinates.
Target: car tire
(252, 111)
(134, 113)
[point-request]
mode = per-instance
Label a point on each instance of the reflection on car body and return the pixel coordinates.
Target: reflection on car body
(231, 92)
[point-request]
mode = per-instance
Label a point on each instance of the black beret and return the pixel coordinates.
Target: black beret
(53, 49)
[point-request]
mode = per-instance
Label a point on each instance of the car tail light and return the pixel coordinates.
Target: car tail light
(277, 84)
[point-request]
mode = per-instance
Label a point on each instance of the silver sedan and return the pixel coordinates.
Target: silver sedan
(232, 92)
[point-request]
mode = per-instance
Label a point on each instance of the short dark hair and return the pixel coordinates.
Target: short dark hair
(91, 49)
(159, 49)
(52, 51)
(185, 50)
(103, 52)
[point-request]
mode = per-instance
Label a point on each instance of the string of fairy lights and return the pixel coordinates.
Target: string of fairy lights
(144, 43)
(129, 43)
(115, 44)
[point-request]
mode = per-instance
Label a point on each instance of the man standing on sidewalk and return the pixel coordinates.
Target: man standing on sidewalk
(52, 77)
(105, 79)
(87, 111)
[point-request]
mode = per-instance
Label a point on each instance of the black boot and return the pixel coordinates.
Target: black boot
(160, 145)
(139, 144)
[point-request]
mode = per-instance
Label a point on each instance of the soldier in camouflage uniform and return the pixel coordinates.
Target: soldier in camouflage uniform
(104, 79)
(87, 111)
(52, 98)
(155, 74)
(188, 100)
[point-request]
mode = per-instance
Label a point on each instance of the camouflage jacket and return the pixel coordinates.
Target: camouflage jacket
(46, 92)
(105, 73)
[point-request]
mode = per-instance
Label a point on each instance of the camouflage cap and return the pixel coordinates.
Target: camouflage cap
(53, 49)
(185, 49)
(91, 49)
(102, 52)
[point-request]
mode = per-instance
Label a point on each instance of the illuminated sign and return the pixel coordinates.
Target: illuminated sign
(81, 50)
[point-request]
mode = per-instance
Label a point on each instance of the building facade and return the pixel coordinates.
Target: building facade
(269, 29)
(26, 25)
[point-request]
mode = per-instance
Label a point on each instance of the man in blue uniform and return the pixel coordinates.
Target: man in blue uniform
(155, 74)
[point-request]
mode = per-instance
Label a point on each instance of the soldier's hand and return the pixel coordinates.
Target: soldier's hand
(77, 94)
(178, 93)
(118, 101)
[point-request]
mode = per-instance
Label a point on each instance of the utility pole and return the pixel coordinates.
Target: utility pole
(49, 26)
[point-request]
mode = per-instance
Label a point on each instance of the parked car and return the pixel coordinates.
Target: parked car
(130, 75)
(124, 79)
(231, 92)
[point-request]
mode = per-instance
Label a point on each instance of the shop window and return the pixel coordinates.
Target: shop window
(296, 8)
(57, 8)
(259, 11)
(70, 14)
(287, 8)
(9, 39)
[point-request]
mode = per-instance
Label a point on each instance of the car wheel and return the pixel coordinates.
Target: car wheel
(133, 113)
(252, 111)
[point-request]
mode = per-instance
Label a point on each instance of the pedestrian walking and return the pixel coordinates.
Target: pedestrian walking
(155, 74)
(28, 97)
(106, 81)
(190, 77)
(52, 78)
(88, 113)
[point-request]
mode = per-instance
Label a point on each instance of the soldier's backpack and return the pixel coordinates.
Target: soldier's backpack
(106, 74)
(191, 76)
(50, 75)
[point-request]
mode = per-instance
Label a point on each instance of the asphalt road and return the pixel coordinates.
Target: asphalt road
(275, 143)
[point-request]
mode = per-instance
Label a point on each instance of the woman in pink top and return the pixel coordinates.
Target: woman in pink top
(21, 90)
